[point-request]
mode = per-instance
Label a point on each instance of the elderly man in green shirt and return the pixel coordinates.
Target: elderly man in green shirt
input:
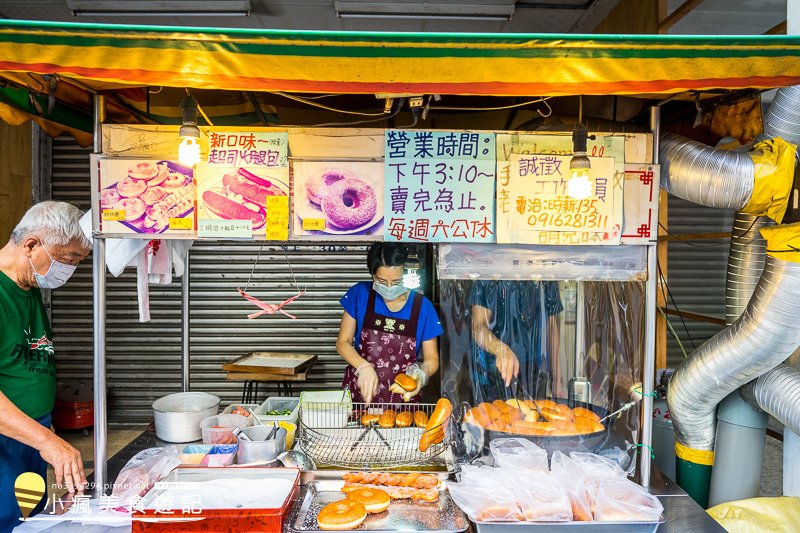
(42, 253)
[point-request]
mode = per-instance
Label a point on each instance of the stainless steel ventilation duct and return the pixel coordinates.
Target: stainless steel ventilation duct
(745, 263)
(783, 116)
(778, 393)
(760, 339)
(705, 175)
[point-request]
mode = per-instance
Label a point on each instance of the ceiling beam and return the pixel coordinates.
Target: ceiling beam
(680, 12)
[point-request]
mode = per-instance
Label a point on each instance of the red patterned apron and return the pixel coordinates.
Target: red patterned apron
(390, 344)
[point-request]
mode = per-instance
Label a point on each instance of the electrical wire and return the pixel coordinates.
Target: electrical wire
(323, 106)
(399, 105)
(673, 332)
(665, 285)
(542, 100)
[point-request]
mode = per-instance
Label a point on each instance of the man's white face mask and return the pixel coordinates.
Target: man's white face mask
(57, 274)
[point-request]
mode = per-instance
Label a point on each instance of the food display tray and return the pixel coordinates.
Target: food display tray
(588, 527)
(444, 516)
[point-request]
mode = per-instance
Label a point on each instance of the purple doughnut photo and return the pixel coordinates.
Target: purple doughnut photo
(349, 197)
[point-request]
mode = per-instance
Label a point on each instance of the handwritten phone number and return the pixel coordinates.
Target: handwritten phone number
(568, 220)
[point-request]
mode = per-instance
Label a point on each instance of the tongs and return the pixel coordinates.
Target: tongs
(371, 427)
(517, 386)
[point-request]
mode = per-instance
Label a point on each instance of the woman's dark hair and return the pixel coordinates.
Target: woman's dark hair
(386, 254)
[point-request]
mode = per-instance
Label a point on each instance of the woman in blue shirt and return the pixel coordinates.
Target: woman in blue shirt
(387, 330)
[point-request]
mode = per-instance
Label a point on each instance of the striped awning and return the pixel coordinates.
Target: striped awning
(109, 56)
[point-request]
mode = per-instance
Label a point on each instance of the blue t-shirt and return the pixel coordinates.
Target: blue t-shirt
(355, 303)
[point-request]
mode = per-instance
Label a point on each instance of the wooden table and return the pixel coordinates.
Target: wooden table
(281, 368)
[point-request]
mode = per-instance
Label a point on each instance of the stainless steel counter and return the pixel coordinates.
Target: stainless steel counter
(681, 513)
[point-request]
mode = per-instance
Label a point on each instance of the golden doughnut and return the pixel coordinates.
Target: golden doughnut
(404, 419)
(373, 500)
(341, 515)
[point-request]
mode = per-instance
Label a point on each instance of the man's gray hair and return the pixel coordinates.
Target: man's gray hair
(55, 223)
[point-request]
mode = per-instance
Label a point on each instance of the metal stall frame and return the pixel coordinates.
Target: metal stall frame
(99, 315)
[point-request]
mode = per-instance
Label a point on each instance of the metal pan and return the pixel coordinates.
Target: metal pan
(587, 442)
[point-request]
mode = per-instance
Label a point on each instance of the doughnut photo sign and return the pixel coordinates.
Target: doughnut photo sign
(338, 199)
(146, 196)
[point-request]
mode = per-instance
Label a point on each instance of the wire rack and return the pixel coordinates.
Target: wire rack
(332, 434)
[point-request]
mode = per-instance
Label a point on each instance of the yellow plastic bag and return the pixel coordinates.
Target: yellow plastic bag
(774, 174)
(756, 515)
(783, 242)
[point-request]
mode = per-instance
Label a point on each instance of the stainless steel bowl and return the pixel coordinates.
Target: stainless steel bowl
(257, 450)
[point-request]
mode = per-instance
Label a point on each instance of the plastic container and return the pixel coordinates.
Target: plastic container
(208, 455)
(258, 450)
(278, 403)
(251, 406)
(218, 429)
(178, 416)
(291, 429)
(334, 407)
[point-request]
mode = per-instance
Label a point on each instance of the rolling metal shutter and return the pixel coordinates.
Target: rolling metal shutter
(696, 272)
(144, 359)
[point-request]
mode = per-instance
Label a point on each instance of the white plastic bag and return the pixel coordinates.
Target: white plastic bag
(568, 475)
(515, 453)
(621, 500)
(596, 466)
(142, 472)
(539, 498)
(484, 503)
(483, 493)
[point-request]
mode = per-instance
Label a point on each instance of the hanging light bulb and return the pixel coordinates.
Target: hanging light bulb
(579, 185)
(189, 148)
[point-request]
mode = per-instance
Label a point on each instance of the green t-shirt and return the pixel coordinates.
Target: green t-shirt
(27, 363)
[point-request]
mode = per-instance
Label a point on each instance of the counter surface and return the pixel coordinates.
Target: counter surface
(682, 514)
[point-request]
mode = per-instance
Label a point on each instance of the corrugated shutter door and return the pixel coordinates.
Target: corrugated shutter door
(144, 359)
(696, 272)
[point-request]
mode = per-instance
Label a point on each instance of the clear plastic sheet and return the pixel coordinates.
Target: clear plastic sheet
(518, 453)
(142, 472)
(528, 261)
(578, 344)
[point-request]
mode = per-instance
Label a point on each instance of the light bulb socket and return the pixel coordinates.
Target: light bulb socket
(580, 136)
(579, 161)
(189, 111)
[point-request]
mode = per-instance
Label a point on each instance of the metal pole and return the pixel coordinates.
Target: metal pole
(185, 324)
(99, 316)
(649, 367)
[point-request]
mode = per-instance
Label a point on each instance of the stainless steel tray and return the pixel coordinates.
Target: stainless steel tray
(588, 527)
(443, 516)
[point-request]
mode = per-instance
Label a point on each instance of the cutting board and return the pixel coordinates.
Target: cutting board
(286, 364)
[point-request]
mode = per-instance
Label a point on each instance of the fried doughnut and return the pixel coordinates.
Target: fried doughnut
(407, 382)
(480, 416)
(501, 406)
(349, 203)
(108, 197)
(369, 418)
(519, 404)
(163, 172)
(434, 431)
(143, 170)
(420, 419)
(373, 500)
(153, 195)
(404, 419)
(317, 187)
(493, 412)
(341, 515)
(387, 419)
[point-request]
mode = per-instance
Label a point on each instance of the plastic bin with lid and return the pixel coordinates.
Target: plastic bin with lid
(334, 407)
(218, 429)
(280, 404)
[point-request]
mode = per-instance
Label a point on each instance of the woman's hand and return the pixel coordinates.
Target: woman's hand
(367, 382)
(507, 363)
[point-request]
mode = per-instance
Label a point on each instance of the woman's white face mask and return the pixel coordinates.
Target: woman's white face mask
(389, 293)
(57, 274)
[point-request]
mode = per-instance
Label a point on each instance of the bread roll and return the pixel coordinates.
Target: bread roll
(420, 419)
(407, 382)
(387, 419)
(404, 419)
(434, 431)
